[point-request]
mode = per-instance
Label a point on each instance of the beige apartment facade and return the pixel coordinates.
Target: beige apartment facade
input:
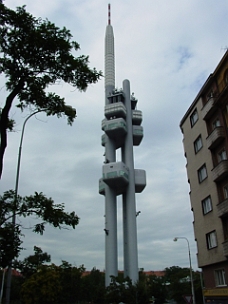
(205, 140)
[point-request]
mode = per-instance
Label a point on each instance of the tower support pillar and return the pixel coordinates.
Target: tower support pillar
(129, 204)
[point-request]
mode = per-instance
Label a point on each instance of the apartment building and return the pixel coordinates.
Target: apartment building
(205, 140)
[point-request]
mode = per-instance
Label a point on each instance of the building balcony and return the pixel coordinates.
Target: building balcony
(137, 135)
(140, 180)
(223, 208)
(115, 174)
(225, 248)
(220, 171)
(116, 109)
(208, 108)
(136, 117)
(216, 293)
(215, 137)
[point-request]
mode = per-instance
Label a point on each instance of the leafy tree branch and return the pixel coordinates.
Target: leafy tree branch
(39, 205)
(35, 54)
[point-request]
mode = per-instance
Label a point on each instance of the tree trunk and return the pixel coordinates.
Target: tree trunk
(4, 119)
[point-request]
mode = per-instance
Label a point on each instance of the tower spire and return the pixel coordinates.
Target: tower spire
(109, 57)
(109, 13)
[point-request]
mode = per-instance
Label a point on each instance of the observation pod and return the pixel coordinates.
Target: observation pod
(122, 130)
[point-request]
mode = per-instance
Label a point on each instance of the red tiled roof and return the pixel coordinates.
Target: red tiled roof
(15, 273)
(158, 273)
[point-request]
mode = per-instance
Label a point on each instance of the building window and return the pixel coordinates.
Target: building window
(198, 144)
(216, 123)
(194, 117)
(225, 227)
(202, 173)
(225, 189)
(211, 240)
(220, 279)
(222, 155)
(207, 205)
(210, 95)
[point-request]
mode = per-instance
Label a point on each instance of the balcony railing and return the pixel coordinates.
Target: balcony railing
(220, 171)
(225, 248)
(222, 208)
(208, 109)
(215, 137)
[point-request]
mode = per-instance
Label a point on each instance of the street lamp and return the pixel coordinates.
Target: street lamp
(9, 274)
(189, 254)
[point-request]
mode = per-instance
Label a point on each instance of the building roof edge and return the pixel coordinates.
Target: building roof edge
(202, 89)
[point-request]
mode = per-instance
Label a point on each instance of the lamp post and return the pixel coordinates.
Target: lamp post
(9, 273)
(189, 254)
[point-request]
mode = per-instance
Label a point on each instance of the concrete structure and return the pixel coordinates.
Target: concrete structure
(205, 130)
(122, 129)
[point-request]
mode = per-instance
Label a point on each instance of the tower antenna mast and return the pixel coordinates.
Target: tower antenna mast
(109, 13)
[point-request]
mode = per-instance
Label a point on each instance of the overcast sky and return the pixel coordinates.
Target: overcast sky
(167, 49)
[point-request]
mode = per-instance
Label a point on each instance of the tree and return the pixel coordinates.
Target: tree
(71, 283)
(180, 283)
(115, 290)
(24, 269)
(157, 288)
(10, 241)
(43, 286)
(93, 286)
(40, 206)
(30, 265)
(35, 54)
(74, 288)
(121, 290)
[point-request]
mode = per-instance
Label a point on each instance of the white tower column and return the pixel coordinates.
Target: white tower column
(111, 261)
(129, 205)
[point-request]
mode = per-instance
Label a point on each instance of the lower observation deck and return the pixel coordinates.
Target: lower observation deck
(115, 174)
(115, 129)
(140, 183)
(140, 180)
(119, 141)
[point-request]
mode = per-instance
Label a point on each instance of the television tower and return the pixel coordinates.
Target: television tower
(122, 130)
